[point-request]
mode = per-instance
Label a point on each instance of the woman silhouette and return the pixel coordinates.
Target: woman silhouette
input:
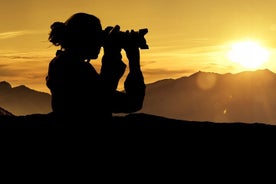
(77, 89)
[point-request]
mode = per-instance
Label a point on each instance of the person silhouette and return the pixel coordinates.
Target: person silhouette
(77, 89)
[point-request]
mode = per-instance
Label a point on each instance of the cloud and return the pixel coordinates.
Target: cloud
(18, 57)
(23, 67)
(12, 34)
(166, 72)
(11, 71)
(8, 56)
(5, 72)
(149, 62)
(26, 73)
(153, 75)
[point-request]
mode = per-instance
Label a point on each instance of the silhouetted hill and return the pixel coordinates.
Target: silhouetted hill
(138, 121)
(4, 112)
(135, 141)
(21, 100)
(204, 96)
(137, 126)
(138, 139)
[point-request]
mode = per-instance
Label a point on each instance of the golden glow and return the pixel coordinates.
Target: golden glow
(249, 54)
(206, 81)
(181, 41)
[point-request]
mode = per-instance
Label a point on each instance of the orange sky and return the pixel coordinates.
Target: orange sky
(184, 36)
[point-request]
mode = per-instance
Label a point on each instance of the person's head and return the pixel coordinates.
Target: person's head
(81, 33)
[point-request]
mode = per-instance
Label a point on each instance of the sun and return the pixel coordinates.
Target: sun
(249, 54)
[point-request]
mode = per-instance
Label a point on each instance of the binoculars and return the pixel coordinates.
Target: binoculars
(133, 38)
(136, 37)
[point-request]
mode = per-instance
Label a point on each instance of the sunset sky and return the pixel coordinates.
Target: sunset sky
(184, 36)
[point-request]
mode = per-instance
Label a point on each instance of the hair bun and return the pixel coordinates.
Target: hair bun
(57, 33)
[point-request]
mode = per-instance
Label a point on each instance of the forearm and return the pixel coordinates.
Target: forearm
(133, 56)
(132, 99)
(127, 102)
(112, 69)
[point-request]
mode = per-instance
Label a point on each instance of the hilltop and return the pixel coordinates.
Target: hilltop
(206, 96)
(21, 100)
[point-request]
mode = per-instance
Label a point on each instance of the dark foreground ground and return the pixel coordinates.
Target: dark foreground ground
(140, 146)
(137, 126)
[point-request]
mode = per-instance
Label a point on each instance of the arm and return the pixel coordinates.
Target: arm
(132, 99)
(113, 67)
(112, 70)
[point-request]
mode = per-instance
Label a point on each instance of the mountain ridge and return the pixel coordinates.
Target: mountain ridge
(4, 112)
(22, 100)
(246, 96)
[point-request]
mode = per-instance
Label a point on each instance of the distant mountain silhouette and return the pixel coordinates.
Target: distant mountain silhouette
(21, 100)
(203, 96)
(4, 112)
(243, 97)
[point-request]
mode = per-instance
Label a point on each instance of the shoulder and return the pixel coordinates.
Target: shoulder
(60, 59)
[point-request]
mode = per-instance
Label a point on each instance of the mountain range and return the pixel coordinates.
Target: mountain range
(4, 112)
(203, 96)
(21, 100)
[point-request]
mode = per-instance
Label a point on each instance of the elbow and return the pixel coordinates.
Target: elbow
(137, 103)
(134, 107)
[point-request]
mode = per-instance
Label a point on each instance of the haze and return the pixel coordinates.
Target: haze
(184, 36)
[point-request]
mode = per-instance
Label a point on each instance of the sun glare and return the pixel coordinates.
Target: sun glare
(249, 54)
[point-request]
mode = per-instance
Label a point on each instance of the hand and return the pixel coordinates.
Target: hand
(131, 47)
(113, 67)
(112, 43)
